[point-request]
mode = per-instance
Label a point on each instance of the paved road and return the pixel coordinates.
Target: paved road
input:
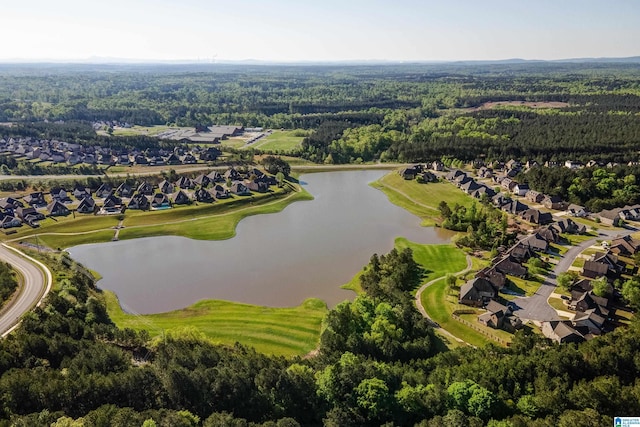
(36, 283)
(536, 307)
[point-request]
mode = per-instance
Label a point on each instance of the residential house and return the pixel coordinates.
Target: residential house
(549, 234)
(145, 188)
(561, 331)
(514, 207)
(426, 177)
(509, 265)
(609, 217)
(60, 194)
(232, 174)
(173, 159)
(112, 203)
(483, 190)
(81, 192)
(520, 252)
(553, 202)
(437, 166)
(124, 190)
(185, 183)
(103, 191)
(87, 205)
(220, 192)
(56, 208)
(469, 186)
(409, 173)
(497, 279)
(210, 154)
(257, 186)
(485, 172)
(166, 187)
(589, 302)
(603, 264)
(477, 292)
(180, 198)
(202, 180)
(239, 189)
(500, 200)
(139, 201)
(499, 316)
(521, 189)
(160, 201)
(536, 217)
(536, 242)
(203, 195)
(35, 200)
(454, 174)
(9, 221)
(570, 164)
(215, 176)
(567, 225)
(10, 204)
(624, 245)
(534, 196)
(589, 324)
(577, 211)
(189, 159)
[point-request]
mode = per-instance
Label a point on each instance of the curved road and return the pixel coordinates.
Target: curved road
(421, 309)
(536, 306)
(35, 284)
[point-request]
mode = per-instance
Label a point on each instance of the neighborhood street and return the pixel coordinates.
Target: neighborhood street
(536, 307)
(35, 284)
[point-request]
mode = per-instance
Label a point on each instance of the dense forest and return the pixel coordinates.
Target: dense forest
(358, 113)
(8, 282)
(379, 363)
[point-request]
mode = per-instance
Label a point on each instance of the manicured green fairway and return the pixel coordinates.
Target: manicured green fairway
(282, 141)
(421, 199)
(281, 331)
(437, 260)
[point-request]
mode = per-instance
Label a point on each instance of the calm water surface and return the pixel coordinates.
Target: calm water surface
(307, 250)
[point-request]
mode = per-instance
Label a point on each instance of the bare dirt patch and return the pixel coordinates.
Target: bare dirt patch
(530, 104)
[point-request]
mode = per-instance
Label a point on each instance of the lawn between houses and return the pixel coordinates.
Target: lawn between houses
(421, 199)
(291, 331)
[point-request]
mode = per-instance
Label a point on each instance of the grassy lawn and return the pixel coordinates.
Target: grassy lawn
(421, 199)
(574, 239)
(473, 318)
(280, 141)
(437, 260)
(234, 142)
(558, 249)
(281, 331)
(558, 304)
(521, 286)
(579, 262)
(67, 224)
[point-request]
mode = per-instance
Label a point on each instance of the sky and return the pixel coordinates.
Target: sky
(312, 30)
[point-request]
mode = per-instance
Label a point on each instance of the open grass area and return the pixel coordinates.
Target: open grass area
(282, 141)
(67, 224)
(558, 304)
(421, 199)
(281, 331)
(234, 142)
(521, 286)
(437, 260)
(574, 239)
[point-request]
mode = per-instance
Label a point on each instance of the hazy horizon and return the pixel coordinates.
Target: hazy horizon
(332, 31)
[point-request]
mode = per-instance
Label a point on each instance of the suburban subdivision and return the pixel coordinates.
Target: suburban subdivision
(280, 245)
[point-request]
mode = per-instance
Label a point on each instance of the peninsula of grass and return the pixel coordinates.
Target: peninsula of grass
(421, 199)
(280, 331)
(282, 141)
(436, 260)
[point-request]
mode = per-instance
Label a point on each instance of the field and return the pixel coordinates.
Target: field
(421, 199)
(282, 141)
(281, 331)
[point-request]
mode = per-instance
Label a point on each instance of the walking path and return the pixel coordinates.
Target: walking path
(424, 312)
(405, 195)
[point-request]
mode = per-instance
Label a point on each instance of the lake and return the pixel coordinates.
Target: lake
(308, 250)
